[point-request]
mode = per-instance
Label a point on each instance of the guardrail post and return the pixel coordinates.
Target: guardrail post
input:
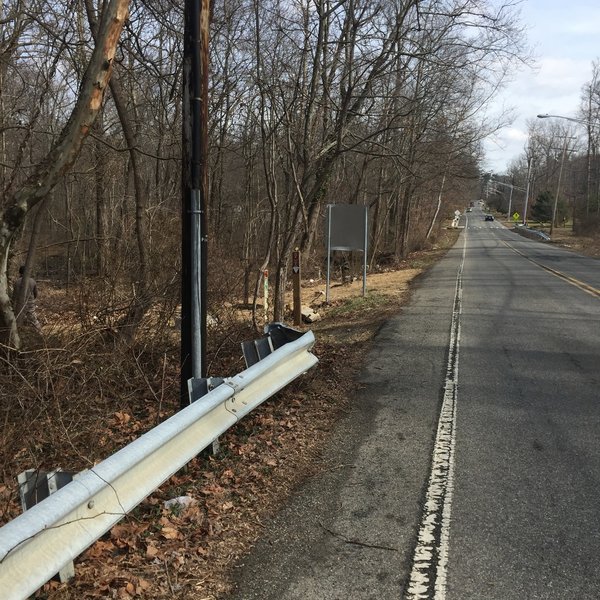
(35, 486)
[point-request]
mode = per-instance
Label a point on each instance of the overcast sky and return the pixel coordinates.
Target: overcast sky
(565, 35)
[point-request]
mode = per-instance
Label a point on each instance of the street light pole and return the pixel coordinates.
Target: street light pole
(562, 162)
(512, 188)
(589, 125)
(509, 201)
(529, 161)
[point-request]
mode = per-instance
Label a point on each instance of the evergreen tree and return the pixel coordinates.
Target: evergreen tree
(541, 211)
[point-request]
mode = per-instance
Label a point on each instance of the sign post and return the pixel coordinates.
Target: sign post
(266, 294)
(456, 219)
(296, 285)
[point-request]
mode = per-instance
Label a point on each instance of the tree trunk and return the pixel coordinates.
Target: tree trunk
(19, 299)
(375, 226)
(403, 223)
(100, 175)
(142, 300)
(439, 204)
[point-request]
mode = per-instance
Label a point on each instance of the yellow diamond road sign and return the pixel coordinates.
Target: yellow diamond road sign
(516, 216)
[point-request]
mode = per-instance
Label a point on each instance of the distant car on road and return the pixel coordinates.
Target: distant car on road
(489, 217)
(469, 209)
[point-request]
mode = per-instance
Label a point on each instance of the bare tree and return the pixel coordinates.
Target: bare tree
(45, 176)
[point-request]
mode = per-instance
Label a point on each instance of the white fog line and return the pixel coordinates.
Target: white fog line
(430, 561)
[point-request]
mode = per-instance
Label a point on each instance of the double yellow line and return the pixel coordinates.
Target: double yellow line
(580, 284)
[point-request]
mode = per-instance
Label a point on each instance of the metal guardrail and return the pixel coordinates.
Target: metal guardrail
(38, 543)
(532, 234)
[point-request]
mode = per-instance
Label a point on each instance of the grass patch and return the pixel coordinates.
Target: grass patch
(373, 300)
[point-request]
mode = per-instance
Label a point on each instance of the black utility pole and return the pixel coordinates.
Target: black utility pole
(194, 189)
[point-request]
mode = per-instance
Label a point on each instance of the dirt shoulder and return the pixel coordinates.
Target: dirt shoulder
(587, 245)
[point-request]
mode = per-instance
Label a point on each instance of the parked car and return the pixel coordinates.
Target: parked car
(489, 217)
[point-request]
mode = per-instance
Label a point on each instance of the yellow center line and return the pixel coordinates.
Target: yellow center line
(580, 284)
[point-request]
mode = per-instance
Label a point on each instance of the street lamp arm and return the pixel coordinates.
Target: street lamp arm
(510, 185)
(580, 121)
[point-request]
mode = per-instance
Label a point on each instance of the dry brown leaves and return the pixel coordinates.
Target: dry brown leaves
(183, 552)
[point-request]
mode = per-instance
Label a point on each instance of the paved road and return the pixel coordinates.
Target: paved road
(497, 498)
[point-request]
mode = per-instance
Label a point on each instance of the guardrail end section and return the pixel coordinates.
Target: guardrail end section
(276, 335)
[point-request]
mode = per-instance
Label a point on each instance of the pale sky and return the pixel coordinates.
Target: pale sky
(565, 35)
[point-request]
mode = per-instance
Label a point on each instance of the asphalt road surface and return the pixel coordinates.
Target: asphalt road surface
(469, 465)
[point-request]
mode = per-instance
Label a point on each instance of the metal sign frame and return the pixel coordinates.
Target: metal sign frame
(347, 242)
